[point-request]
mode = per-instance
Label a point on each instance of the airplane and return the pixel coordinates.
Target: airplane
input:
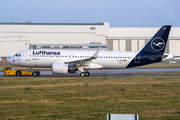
(70, 61)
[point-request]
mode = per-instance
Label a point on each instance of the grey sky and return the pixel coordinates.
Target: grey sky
(120, 13)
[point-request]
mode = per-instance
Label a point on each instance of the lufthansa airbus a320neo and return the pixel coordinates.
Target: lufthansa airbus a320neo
(68, 61)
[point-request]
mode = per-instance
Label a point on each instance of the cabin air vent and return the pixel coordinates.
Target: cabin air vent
(92, 28)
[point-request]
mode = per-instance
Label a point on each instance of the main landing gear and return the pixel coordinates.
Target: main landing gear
(85, 74)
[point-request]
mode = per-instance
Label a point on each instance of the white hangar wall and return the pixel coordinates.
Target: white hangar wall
(58, 33)
(9, 48)
(52, 34)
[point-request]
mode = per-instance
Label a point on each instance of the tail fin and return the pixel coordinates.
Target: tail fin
(153, 51)
(157, 44)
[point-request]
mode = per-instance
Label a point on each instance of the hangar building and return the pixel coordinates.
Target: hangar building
(15, 37)
(133, 39)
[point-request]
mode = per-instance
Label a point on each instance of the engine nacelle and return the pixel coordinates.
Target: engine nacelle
(59, 67)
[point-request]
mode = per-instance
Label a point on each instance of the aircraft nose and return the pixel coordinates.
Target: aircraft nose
(9, 60)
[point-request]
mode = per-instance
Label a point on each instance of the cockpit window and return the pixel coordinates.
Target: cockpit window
(17, 55)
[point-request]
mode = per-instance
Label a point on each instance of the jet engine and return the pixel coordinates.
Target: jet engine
(59, 67)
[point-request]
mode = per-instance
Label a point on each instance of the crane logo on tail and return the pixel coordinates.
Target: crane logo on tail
(157, 44)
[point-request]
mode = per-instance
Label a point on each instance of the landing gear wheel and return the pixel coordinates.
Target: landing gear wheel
(82, 74)
(38, 73)
(18, 73)
(34, 74)
(87, 74)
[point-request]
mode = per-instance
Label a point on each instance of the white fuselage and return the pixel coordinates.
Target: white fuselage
(45, 58)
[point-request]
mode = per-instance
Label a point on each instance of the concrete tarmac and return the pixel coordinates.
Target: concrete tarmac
(112, 72)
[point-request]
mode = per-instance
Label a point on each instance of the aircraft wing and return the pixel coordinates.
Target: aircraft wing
(83, 61)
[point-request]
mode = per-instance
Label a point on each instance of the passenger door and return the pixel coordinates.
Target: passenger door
(28, 56)
(137, 58)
